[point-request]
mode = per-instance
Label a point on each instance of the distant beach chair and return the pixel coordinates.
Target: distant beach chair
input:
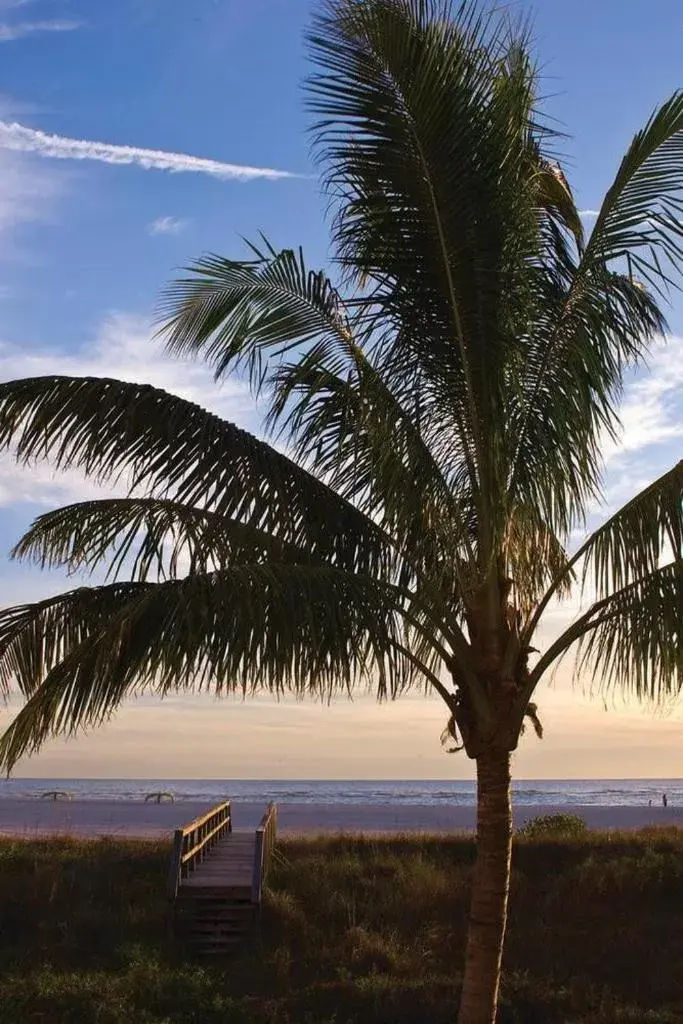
(56, 794)
(159, 798)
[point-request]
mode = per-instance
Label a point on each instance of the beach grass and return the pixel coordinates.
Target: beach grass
(353, 930)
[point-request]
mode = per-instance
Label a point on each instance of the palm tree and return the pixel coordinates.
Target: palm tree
(443, 423)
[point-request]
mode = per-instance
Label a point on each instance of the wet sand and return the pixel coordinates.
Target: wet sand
(128, 818)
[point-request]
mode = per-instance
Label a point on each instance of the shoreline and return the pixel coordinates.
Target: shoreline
(29, 818)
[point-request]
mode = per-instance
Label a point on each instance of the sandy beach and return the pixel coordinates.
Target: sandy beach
(128, 818)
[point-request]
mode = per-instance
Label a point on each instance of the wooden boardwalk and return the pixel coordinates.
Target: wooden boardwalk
(228, 867)
(216, 878)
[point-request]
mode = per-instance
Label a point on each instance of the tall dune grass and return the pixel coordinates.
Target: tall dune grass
(353, 931)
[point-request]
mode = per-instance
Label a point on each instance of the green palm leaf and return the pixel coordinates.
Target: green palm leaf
(629, 545)
(336, 411)
(631, 639)
(433, 184)
(598, 314)
(640, 218)
(633, 542)
(244, 312)
(304, 629)
(115, 431)
(634, 638)
(35, 638)
(379, 450)
(150, 538)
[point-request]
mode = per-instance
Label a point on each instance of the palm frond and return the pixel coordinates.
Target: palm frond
(150, 538)
(634, 638)
(425, 121)
(35, 638)
(379, 451)
(597, 315)
(531, 714)
(585, 337)
(640, 220)
(326, 399)
(534, 558)
(115, 431)
(631, 640)
(634, 541)
(556, 202)
(450, 739)
(247, 313)
(282, 628)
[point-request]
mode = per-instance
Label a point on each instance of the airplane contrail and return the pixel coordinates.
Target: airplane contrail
(28, 140)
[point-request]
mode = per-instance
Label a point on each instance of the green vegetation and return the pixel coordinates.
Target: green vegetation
(548, 825)
(353, 932)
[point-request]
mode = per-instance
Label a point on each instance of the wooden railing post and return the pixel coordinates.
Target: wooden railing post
(176, 863)
(265, 840)
(256, 881)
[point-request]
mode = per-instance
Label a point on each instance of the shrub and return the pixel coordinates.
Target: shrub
(565, 826)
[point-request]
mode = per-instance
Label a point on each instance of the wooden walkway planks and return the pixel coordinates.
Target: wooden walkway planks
(229, 865)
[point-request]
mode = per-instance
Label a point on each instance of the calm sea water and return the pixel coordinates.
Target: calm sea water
(596, 792)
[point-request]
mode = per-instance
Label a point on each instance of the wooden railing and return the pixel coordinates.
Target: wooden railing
(265, 841)
(192, 843)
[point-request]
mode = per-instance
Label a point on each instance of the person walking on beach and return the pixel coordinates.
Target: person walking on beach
(665, 800)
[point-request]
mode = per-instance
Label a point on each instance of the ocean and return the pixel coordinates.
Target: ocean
(584, 792)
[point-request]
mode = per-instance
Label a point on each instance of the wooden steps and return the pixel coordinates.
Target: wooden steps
(216, 880)
(208, 925)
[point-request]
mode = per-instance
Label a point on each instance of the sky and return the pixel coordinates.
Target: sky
(136, 135)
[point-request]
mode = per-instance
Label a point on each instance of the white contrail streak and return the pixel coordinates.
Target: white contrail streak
(20, 29)
(28, 140)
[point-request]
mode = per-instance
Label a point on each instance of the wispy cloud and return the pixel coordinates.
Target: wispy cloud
(21, 29)
(29, 190)
(27, 193)
(651, 417)
(121, 348)
(167, 226)
(588, 214)
(652, 411)
(17, 137)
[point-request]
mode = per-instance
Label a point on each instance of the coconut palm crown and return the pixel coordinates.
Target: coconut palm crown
(442, 399)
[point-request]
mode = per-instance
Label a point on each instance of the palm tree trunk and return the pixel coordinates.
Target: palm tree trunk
(490, 885)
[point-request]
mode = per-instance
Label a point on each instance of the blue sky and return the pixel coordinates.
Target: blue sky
(86, 244)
